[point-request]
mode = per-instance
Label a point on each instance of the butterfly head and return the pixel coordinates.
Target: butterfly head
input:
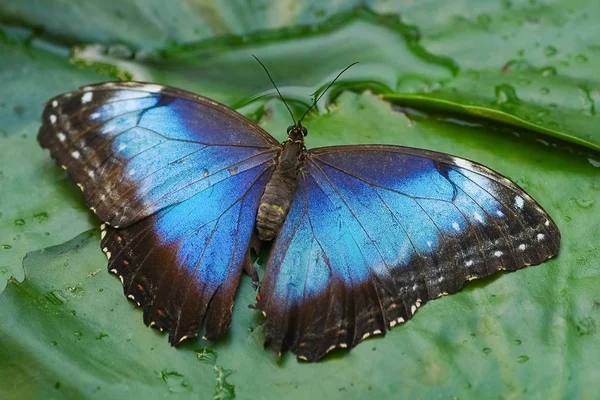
(296, 133)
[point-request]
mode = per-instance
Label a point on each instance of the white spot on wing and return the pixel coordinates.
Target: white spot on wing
(413, 309)
(131, 172)
(122, 146)
(498, 253)
(429, 243)
(91, 173)
(540, 236)
(522, 247)
(547, 223)
(469, 263)
(376, 332)
(102, 234)
(184, 337)
(86, 98)
(456, 226)
(151, 88)
(61, 136)
(76, 155)
(343, 345)
(54, 103)
(500, 213)
(519, 202)
(94, 115)
(462, 163)
(478, 217)
(366, 335)
(52, 118)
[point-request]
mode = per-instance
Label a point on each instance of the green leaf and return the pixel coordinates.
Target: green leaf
(149, 24)
(39, 206)
(499, 337)
(528, 63)
(67, 330)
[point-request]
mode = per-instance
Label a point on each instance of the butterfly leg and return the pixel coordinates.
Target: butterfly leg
(251, 270)
(251, 255)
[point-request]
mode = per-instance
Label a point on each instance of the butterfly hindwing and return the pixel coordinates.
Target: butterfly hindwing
(376, 231)
(177, 179)
(188, 256)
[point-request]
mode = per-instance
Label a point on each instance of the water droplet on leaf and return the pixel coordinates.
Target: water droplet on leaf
(549, 51)
(506, 94)
(523, 359)
(548, 71)
(585, 203)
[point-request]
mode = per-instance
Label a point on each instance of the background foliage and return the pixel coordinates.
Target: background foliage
(510, 84)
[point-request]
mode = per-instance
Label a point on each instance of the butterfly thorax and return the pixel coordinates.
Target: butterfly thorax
(279, 192)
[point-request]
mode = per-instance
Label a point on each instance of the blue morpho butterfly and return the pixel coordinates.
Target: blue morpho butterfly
(363, 235)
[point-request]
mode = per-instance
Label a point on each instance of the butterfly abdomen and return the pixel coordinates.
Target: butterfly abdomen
(279, 192)
(274, 205)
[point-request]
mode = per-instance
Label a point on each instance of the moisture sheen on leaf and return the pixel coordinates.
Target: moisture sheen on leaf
(541, 74)
(544, 53)
(38, 205)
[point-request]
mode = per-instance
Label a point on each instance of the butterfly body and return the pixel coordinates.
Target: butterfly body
(362, 235)
(281, 188)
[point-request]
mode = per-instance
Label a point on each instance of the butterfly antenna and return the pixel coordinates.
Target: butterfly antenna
(276, 88)
(326, 89)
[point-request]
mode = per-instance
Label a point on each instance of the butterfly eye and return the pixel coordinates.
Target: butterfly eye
(289, 129)
(304, 131)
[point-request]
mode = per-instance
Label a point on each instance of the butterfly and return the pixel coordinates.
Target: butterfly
(361, 235)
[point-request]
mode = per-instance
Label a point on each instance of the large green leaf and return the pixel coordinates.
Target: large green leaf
(68, 332)
(528, 63)
(529, 331)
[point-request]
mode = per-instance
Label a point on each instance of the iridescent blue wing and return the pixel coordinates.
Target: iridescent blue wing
(376, 231)
(136, 148)
(177, 179)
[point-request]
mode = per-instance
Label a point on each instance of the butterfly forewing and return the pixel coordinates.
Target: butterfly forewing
(136, 148)
(177, 179)
(376, 231)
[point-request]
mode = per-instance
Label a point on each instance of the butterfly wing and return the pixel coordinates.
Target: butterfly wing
(376, 231)
(135, 148)
(177, 179)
